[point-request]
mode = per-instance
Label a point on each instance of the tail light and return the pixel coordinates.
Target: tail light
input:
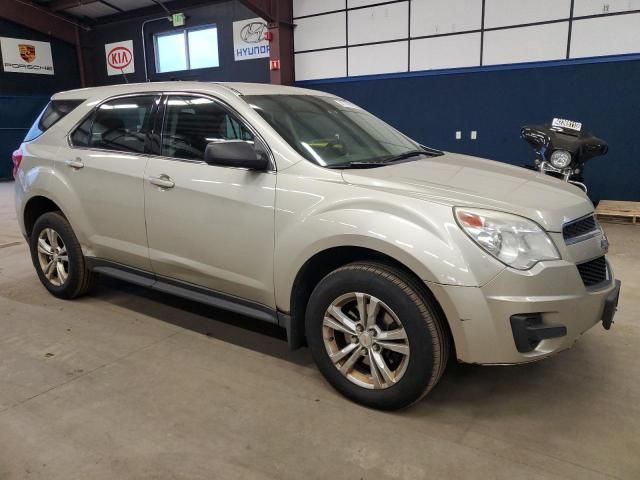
(17, 159)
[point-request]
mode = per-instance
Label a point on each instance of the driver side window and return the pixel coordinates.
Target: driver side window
(190, 123)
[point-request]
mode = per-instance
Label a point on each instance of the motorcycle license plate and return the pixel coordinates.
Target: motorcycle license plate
(570, 124)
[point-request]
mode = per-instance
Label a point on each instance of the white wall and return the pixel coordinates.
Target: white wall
(451, 51)
(322, 31)
(311, 7)
(433, 17)
(526, 44)
(339, 38)
(379, 23)
(502, 13)
(592, 37)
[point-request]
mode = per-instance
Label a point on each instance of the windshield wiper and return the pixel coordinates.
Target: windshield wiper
(357, 165)
(428, 152)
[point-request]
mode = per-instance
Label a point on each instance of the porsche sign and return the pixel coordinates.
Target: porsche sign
(27, 52)
(26, 56)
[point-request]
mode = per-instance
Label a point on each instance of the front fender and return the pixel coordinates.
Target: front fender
(422, 236)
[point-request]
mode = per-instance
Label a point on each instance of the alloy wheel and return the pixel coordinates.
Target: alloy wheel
(53, 257)
(365, 340)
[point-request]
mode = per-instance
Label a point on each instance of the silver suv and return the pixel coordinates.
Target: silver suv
(299, 208)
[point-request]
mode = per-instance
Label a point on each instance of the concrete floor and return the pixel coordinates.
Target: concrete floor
(126, 383)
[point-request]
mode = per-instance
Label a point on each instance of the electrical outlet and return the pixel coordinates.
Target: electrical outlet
(474, 135)
(458, 135)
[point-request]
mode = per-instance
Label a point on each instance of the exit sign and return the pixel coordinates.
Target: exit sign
(178, 19)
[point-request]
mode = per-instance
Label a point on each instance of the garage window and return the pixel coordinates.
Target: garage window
(187, 49)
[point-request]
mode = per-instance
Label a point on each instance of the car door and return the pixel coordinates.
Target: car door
(207, 225)
(105, 168)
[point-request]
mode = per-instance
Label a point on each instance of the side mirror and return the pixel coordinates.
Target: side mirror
(235, 153)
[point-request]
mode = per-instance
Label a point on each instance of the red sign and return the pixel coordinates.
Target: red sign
(274, 65)
(119, 57)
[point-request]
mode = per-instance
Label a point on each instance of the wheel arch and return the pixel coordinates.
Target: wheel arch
(324, 262)
(35, 207)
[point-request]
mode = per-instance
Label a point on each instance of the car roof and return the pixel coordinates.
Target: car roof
(237, 88)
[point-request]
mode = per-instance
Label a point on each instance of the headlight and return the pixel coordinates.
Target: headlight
(515, 241)
(560, 159)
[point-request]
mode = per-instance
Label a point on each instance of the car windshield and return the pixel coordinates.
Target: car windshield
(333, 132)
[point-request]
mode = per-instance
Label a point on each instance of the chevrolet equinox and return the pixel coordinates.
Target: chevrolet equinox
(299, 208)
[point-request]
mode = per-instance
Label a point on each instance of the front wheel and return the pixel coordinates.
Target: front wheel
(376, 336)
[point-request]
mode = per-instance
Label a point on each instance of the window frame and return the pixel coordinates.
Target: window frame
(94, 110)
(185, 37)
(152, 147)
(158, 129)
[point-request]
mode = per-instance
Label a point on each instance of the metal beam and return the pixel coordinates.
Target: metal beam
(279, 14)
(58, 5)
(273, 11)
(263, 8)
(37, 18)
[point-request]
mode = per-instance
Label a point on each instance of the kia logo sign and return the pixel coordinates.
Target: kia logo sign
(119, 57)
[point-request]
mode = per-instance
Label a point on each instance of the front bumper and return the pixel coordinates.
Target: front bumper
(553, 292)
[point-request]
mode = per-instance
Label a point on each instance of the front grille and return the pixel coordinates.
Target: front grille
(593, 272)
(578, 228)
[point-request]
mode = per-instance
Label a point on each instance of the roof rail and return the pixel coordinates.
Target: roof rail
(233, 90)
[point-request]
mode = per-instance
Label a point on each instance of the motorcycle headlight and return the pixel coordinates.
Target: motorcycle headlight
(516, 241)
(560, 159)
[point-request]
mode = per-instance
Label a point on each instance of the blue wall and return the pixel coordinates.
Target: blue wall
(497, 103)
(23, 95)
(17, 113)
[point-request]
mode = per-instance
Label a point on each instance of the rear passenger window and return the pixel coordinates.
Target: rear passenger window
(190, 123)
(54, 111)
(121, 125)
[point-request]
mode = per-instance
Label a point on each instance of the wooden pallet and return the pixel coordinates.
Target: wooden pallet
(612, 211)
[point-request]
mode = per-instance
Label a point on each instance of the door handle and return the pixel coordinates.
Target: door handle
(75, 164)
(163, 181)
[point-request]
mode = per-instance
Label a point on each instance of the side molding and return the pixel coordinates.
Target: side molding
(186, 290)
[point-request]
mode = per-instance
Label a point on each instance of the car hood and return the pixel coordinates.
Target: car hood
(461, 180)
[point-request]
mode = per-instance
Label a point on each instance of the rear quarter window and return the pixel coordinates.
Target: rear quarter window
(53, 112)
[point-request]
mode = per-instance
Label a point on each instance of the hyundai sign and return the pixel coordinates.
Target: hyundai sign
(248, 39)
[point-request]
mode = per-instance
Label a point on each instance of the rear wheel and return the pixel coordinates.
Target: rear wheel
(376, 335)
(57, 257)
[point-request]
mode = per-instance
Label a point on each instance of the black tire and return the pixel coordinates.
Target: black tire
(79, 279)
(427, 337)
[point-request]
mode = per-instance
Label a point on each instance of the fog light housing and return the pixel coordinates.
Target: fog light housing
(528, 331)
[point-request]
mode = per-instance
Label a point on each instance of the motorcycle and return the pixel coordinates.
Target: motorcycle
(562, 148)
